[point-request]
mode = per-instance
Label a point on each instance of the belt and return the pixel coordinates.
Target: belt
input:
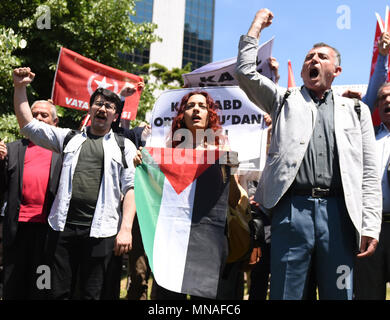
(386, 217)
(316, 192)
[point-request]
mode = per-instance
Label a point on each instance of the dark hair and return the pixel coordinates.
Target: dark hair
(213, 120)
(323, 44)
(109, 96)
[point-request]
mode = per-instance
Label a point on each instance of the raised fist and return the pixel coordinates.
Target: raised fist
(22, 77)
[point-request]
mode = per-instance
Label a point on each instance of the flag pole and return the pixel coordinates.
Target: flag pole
(386, 24)
(378, 18)
(85, 122)
(380, 23)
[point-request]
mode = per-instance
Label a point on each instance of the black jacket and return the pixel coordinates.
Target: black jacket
(11, 175)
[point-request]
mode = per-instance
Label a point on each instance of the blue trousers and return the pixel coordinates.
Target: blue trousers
(303, 229)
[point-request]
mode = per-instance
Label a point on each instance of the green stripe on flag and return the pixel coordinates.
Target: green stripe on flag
(148, 188)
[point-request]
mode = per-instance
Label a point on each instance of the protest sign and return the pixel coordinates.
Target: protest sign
(241, 120)
(222, 73)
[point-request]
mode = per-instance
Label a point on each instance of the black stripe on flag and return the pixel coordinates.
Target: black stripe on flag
(207, 247)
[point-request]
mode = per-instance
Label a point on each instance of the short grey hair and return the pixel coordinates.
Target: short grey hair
(49, 102)
(337, 53)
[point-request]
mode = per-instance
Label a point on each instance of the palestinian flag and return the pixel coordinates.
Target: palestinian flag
(182, 197)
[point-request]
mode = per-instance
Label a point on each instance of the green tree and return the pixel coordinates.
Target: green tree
(98, 29)
(9, 42)
(157, 79)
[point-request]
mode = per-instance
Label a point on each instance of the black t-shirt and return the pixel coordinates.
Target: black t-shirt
(86, 181)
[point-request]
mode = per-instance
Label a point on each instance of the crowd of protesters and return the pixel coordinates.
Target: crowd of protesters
(320, 210)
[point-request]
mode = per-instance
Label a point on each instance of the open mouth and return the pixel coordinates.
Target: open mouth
(313, 73)
(100, 116)
(196, 118)
(386, 110)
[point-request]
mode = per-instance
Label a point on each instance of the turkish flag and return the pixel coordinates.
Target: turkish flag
(291, 79)
(375, 115)
(77, 77)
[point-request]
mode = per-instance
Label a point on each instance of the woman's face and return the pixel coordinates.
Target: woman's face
(196, 113)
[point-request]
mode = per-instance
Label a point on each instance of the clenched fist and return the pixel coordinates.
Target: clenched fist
(263, 19)
(22, 77)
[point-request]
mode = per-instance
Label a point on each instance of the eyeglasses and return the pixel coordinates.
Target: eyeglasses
(192, 105)
(108, 106)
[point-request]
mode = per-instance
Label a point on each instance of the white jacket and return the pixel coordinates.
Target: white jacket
(355, 142)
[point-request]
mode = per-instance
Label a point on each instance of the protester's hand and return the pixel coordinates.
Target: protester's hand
(267, 119)
(127, 90)
(146, 132)
(352, 94)
(255, 256)
(263, 19)
(274, 65)
(384, 44)
(252, 201)
(141, 85)
(367, 247)
(123, 242)
(138, 157)
(22, 77)
(3, 150)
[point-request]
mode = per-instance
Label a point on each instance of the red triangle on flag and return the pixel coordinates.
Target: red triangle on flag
(183, 166)
(291, 80)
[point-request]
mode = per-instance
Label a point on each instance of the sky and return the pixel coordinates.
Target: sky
(346, 25)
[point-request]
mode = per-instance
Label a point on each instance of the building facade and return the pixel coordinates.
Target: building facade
(186, 28)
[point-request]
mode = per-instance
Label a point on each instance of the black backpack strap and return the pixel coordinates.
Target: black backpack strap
(68, 137)
(286, 95)
(120, 140)
(357, 107)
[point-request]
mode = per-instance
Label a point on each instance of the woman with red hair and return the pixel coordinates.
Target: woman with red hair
(197, 113)
(197, 126)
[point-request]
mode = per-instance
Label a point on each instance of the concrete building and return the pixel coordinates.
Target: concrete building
(186, 28)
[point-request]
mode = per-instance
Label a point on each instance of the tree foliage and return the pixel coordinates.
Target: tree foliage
(157, 78)
(9, 128)
(95, 29)
(33, 31)
(9, 42)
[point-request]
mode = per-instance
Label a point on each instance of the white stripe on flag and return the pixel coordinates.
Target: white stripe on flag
(172, 236)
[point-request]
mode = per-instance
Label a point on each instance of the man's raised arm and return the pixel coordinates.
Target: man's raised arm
(260, 90)
(263, 19)
(22, 77)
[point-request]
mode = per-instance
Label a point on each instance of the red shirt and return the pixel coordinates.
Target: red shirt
(36, 173)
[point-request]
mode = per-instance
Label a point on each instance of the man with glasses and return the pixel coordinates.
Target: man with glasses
(88, 220)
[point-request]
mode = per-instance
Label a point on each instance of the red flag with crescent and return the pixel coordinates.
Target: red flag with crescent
(77, 77)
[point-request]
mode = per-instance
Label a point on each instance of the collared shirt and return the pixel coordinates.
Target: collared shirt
(383, 147)
(116, 179)
(320, 166)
